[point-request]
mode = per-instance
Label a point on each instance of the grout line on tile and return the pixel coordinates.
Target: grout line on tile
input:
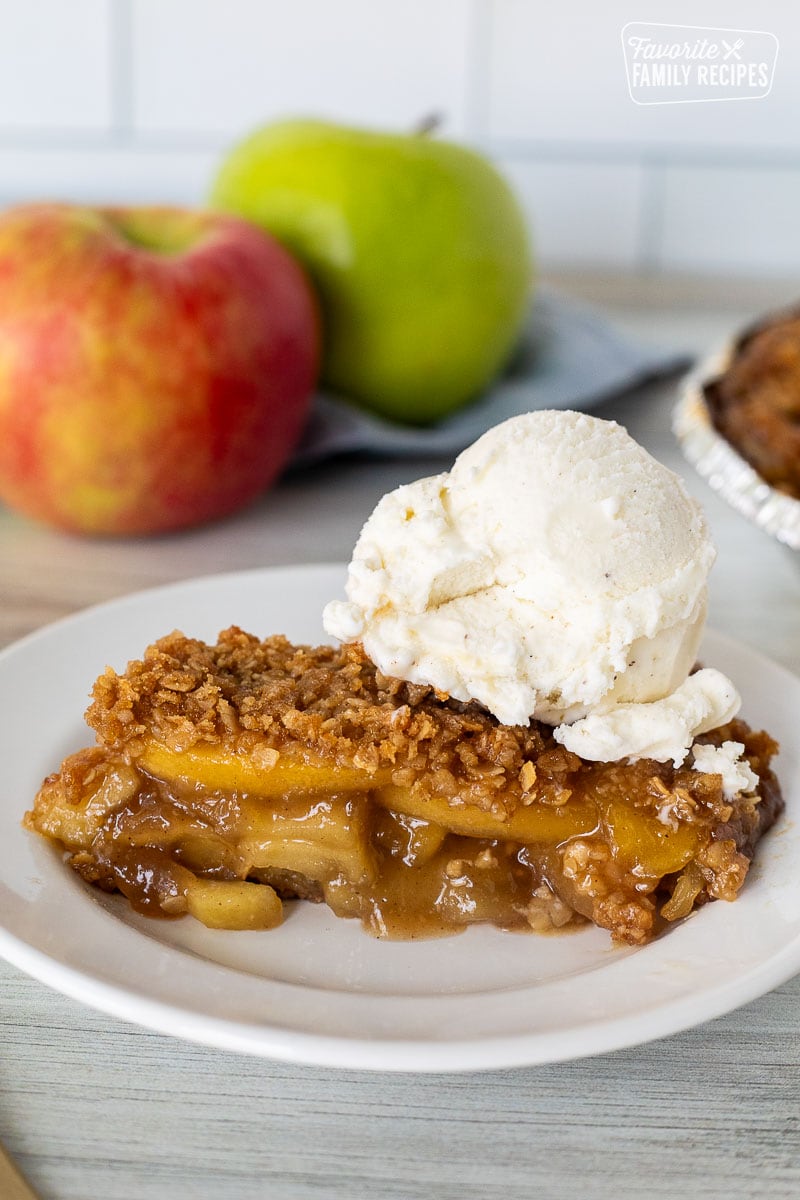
(123, 136)
(122, 101)
(479, 49)
(76, 140)
(651, 218)
(620, 153)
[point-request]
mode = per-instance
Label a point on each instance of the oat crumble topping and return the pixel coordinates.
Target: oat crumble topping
(329, 707)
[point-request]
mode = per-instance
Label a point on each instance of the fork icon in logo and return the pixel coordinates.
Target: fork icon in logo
(732, 49)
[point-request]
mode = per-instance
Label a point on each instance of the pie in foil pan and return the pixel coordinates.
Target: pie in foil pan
(715, 458)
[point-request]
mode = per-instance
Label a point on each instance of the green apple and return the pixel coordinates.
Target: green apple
(417, 248)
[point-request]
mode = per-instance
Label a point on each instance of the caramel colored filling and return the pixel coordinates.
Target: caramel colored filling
(221, 836)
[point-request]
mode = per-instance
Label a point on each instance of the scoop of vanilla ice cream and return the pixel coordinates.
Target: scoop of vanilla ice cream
(556, 572)
(729, 762)
(661, 729)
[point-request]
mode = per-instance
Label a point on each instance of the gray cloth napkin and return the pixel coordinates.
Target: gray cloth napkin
(568, 357)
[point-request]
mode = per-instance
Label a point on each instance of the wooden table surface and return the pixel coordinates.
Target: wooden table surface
(90, 1106)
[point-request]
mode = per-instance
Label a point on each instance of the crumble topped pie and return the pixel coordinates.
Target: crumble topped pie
(755, 402)
(229, 775)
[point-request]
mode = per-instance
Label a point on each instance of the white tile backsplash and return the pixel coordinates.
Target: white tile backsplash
(206, 66)
(55, 65)
(557, 77)
(135, 99)
(731, 221)
(581, 213)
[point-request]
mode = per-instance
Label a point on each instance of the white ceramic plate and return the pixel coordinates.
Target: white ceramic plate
(319, 989)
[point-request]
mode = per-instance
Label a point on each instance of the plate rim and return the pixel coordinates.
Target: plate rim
(401, 1055)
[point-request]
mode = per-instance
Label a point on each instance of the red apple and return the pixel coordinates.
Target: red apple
(156, 365)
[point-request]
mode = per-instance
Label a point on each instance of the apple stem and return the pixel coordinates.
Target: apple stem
(428, 124)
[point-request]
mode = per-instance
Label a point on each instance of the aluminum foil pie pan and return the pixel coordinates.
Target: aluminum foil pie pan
(721, 465)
